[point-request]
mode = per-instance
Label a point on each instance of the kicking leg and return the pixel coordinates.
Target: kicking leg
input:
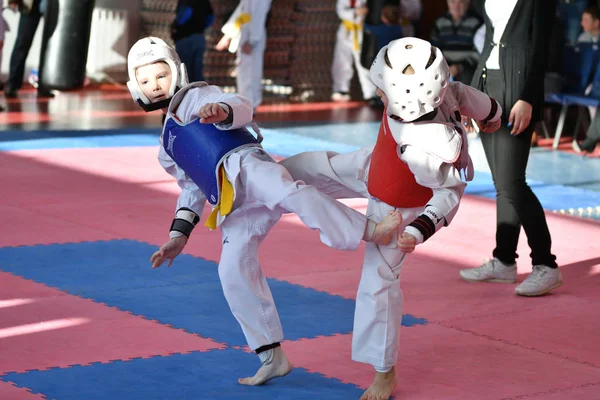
(340, 226)
(382, 232)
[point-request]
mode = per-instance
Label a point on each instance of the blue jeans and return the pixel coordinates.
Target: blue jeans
(191, 52)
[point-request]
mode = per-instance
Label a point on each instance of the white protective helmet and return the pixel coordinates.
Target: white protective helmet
(411, 96)
(148, 51)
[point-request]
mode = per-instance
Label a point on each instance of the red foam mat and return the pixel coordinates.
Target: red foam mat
(437, 362)
(10, 392)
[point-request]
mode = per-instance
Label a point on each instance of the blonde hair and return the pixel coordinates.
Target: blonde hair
(409, 70)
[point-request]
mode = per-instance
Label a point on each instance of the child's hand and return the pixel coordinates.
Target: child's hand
(223, 43)
(213, 113)
(407, 242)
(361, 11)
(168, 251)
(247, 48)
(490, 126)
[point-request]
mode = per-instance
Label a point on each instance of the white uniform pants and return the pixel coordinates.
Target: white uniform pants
(250, 72)
(265, 190)
(344, 58)
(379, 301)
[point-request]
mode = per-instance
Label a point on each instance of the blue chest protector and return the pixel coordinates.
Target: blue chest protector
(200, 149)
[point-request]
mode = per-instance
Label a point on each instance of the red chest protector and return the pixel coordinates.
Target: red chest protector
(390, 179)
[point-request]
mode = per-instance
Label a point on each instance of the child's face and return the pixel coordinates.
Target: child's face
(588, 23)
(380, 93)
(154, 80)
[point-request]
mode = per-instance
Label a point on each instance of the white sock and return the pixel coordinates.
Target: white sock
(266, 357)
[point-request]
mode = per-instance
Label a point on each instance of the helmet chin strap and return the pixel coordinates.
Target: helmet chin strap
(154, 106)
(158, 105)
(425, 117)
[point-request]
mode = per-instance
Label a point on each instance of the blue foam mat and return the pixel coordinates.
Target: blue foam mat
(188, 295)
(551, 196)
(208, 376)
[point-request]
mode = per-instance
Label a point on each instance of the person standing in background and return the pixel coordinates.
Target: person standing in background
(12, 4)
(31, 13)
(192, 17)
(346, 54)
(454, 34)
(411, 12)
(512, 69)
(245, 33)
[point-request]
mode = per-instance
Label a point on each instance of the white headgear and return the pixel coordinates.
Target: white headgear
(411, 96)
(148, 51)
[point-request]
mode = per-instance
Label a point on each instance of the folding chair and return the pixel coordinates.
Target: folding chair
(579, 63)
(590, 99)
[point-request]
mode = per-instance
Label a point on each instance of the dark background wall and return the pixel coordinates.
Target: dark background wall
(301, 37)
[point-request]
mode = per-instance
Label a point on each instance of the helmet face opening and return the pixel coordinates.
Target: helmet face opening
(150, 50)
(414, 76)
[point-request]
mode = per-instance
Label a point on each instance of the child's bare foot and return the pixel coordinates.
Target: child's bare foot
(382, 387)
(385, 229)
(274, 367)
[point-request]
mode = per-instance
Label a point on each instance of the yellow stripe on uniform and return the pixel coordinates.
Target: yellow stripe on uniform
(244, 18)
(226, 201)
(353, 27)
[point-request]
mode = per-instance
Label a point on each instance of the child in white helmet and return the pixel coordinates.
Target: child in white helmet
(205, 146)
(415, 168)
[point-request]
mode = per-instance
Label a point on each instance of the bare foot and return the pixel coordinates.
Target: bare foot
(385, 229)
(382, 387)
(278, 365)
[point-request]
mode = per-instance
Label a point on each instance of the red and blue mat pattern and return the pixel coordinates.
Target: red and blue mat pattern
(83, 316)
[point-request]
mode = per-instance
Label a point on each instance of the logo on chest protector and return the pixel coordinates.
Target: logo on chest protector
(171, 139)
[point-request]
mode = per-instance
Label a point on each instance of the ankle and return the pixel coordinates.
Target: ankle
(505, 264)
(385, 374)
(369, 233)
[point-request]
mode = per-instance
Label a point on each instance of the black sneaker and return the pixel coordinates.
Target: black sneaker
(586, 146)
(10, 93)
(44, 93)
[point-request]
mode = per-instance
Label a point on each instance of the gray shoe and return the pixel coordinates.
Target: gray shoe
(541, 280)
(491, 271)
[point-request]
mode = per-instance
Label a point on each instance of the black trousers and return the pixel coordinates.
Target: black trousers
(28, 23)
(593, 134)
(516, 204)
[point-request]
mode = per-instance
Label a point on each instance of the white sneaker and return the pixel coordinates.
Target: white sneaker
(492, 271)
(541, 280)
(340, 97)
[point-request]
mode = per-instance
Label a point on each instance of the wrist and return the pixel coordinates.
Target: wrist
(229, 119)
(183, 224)
(414, 232)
